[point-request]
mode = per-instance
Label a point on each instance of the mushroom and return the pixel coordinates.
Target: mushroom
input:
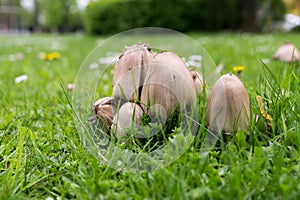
(287, 52)
(104, 110)
(130, 70)
(228, 108)
(128, 116)
(198, 82)
(168, 84)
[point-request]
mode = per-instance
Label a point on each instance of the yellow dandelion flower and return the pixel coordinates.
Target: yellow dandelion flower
(53, 56)
(238, 69)
(50, 56)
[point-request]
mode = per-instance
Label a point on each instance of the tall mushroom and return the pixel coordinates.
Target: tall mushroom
(168, 83)
(228, 106)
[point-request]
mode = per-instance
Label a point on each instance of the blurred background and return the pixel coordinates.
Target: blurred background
(112, 16)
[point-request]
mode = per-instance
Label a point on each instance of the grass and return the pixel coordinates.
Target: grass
(41, 155)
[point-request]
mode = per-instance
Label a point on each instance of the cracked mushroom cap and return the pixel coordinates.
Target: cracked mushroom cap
(130, 70)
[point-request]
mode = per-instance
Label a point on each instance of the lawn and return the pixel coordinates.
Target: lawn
(41, 155)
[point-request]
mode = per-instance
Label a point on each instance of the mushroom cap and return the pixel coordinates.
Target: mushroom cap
(104, 110)
(198, 82)
(130, 71)
(128, 116)
(168, 83)
(287, 52)
(228, 106)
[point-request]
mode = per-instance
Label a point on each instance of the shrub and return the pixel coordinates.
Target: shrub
(112, 16)
(103, 17)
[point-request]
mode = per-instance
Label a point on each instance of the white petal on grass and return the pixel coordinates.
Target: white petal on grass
(105, 88)
(70, 86)
(41, 55)
(58, 45)
(28, 49)
(108, 60)
(19, 56)
(193, 61)
(262, 48)
(12, 57)
(93, 66)
(265, 60)
(119, 162)
(195, 57)
(21, 78)
(219, 68)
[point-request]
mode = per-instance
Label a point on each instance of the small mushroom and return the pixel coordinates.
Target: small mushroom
(104, 110)
(168, 83)
(228, 108)
(198, 82)
(287, 52)
(128, 116)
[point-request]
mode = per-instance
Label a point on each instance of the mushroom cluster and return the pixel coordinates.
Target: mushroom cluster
(159, 84)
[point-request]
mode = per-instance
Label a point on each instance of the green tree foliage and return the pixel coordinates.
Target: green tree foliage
(61, 15)
(268, 12)
(109, 16)
(53, 13)
(168, 14)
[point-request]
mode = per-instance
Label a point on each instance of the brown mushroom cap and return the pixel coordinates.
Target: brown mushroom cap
(287, 52)
(168, 83)
(130, 71)
(228, 106)
(104, 111)
(128, 116)
(198, 82)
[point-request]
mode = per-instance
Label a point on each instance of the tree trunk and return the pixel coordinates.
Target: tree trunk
(36, 14)
(249, 9)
